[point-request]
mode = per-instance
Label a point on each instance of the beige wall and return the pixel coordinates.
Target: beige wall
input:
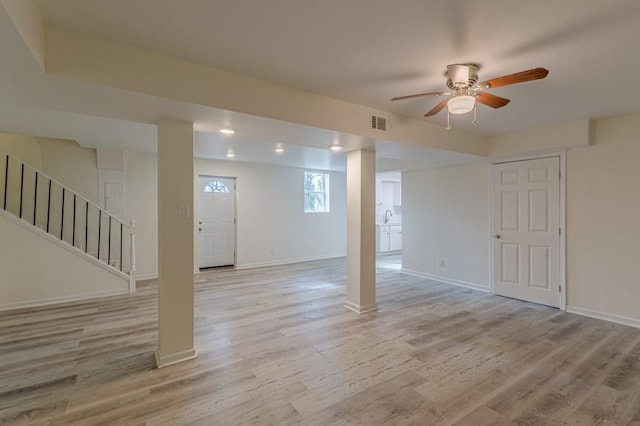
(26, 148)
(63, 160)
(557, 136)
(36, 270)
(603, 229)
(445, 216)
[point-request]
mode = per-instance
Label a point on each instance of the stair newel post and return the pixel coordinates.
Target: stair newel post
(132, 256)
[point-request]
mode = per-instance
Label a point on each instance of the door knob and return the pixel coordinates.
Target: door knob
(199, 222)
(199, 229)
(497, 236)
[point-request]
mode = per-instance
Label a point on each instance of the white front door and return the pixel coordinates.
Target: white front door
(526, 230)
(216, 221)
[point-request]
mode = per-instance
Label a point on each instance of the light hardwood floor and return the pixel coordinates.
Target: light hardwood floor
(276, 346)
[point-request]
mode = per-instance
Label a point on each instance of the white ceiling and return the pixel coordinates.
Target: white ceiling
(363, 51)
(367, 51)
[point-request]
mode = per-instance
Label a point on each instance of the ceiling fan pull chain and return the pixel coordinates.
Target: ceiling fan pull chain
(448, 125)
(475, 113)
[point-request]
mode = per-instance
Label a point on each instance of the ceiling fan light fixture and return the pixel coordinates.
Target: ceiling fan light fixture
(461, 104)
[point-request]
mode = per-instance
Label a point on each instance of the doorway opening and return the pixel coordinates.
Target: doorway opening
(389, 220)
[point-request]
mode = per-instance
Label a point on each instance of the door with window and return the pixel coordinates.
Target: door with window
(526, 230)
(216, 221)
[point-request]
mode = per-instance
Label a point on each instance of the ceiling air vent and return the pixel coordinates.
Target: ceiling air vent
(379, 123)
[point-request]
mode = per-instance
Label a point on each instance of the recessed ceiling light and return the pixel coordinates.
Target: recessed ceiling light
(226, 131)
(335, 147)
(230, 154)
(279, 148)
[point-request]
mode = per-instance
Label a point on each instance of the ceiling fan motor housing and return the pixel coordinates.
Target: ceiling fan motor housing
(462, 76)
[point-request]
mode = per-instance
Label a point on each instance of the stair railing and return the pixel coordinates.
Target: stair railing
(59, 211)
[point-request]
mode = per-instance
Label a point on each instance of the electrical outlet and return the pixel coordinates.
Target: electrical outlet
(441, 263)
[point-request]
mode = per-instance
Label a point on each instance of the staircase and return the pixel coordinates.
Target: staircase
(57, 212)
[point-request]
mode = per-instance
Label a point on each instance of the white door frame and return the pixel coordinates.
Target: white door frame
(562, 249)
(196, 209)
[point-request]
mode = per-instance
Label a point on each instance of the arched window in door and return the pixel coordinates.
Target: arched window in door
(216, 186)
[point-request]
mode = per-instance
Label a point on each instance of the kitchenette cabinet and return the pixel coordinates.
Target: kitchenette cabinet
(389, 238)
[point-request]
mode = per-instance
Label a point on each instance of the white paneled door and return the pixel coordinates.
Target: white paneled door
(216, 221)
(526, 230)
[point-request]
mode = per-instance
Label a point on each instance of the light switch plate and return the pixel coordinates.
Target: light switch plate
(184, 211)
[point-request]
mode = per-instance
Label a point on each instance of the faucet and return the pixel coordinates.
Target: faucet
(387, 216)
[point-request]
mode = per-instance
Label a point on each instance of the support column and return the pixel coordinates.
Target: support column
(361, 231)
(175, 242)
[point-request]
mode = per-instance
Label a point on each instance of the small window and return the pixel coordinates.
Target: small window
(216, 186)
(316, 192)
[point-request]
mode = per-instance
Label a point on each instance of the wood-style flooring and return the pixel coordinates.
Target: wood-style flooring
(277, 347)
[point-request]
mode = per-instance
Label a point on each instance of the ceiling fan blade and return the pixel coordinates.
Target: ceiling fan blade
(492, 100)
(419, 95)
(436, 109)
(519, 77)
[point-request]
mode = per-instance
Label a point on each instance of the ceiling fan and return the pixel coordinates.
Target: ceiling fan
(465, 91)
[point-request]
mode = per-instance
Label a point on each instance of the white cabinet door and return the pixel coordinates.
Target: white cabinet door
(395, 238)
(383, 238)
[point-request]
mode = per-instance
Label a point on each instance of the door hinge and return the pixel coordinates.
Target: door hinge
(559, 231)
(560, 289)
(559, 174)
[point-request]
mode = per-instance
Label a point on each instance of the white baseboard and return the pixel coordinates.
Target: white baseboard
(446, 280)
(361, 309)
(167, 360)
(632, 322)
(286, 261)
(62, 299)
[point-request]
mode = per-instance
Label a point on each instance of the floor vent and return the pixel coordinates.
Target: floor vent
(380, 123)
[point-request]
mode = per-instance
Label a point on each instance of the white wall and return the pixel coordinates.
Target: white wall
(36, 270)
(271, 225)
(603, 229)
(141, 205)
(446, 217)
